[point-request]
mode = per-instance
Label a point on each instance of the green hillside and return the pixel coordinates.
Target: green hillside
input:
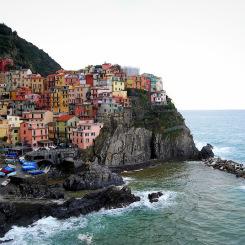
(25, 54)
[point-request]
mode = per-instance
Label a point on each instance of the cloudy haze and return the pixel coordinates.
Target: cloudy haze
(197, 47)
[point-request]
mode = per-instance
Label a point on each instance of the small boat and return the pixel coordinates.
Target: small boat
(2, 174)
(29, 168)
(36, 172)
(5, 182)
(12, 173)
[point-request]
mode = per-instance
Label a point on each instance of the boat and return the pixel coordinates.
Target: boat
(12, 173)
(36, 172)
(5, 182)
(2, 174)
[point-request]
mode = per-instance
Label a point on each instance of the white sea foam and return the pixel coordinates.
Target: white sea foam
(165, 200)
(218, 150)
(222, 150)
(85, 238)
(242, 187)
(128, 179)
(42, 230)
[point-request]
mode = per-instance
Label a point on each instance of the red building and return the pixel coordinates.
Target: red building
(72, 80)
(89, 79)
(4, 63)
(85, 111)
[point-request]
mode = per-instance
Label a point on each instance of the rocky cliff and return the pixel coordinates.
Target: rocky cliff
(149, 133)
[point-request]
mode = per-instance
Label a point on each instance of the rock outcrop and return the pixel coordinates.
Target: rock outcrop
(153, 197)
(151, 132)
(23, 213)
(130, 146)
(93, 176)
(227, 166)
(206, 152)
(29, 187)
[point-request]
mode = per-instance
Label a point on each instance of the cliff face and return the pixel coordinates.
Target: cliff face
(152, 132)
(138, 145)
(25, 54)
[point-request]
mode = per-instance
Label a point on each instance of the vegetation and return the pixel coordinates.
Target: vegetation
(157, 118)
(25, 54)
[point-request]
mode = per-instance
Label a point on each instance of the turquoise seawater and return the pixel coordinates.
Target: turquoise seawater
(199, 206)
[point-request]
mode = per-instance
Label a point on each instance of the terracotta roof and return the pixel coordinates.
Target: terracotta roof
(64, 118)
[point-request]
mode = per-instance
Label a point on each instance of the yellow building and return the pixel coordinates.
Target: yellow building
(4, 107)
(117, 85)
(131, 81)
(14, 135)
(4, 128)
(59, 100)
(60, 80)
(122, 94)
(37, 84)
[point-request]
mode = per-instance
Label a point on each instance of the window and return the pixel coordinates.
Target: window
(87, 140)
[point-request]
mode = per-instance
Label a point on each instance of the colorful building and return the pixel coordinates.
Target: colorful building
(59, 100)
(38, 115)
(85, 133)
(64, 126)
(33, 132)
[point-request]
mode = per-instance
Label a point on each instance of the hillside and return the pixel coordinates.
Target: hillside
(25, 54)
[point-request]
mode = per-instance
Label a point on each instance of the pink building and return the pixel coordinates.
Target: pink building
(38, 115)
(85, 133)
(33, 132)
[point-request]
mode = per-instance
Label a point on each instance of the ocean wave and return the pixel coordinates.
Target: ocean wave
(87, 238)
(223, 150)
(165, 200)
(127, 180)
(218, 150)
(44, 229)
(40, 231)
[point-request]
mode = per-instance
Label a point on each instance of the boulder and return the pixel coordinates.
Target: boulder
(153, 197)
(92, 176)
(206, 152)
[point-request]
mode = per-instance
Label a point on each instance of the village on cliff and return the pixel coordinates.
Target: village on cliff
(66, 108)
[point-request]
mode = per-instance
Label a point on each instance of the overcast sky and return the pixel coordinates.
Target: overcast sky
(196, 46)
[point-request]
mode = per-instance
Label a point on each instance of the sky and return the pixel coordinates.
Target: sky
(196, 46)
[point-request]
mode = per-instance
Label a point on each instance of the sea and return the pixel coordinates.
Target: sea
(199, 205)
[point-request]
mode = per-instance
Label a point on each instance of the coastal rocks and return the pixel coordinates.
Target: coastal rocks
(206, 152)
(132, 146)
(32, 188)
(127, 146)
(93, 176)
(23, 213)
(110, 198)
(153, 197)
(175, 145)
(227, 166)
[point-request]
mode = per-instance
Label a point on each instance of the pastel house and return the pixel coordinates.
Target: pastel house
(64, 126)
(38, 115)
(33, 132)
(85, 133)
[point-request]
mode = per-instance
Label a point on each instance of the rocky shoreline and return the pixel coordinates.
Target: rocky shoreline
(228, 166)
(24, 212)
